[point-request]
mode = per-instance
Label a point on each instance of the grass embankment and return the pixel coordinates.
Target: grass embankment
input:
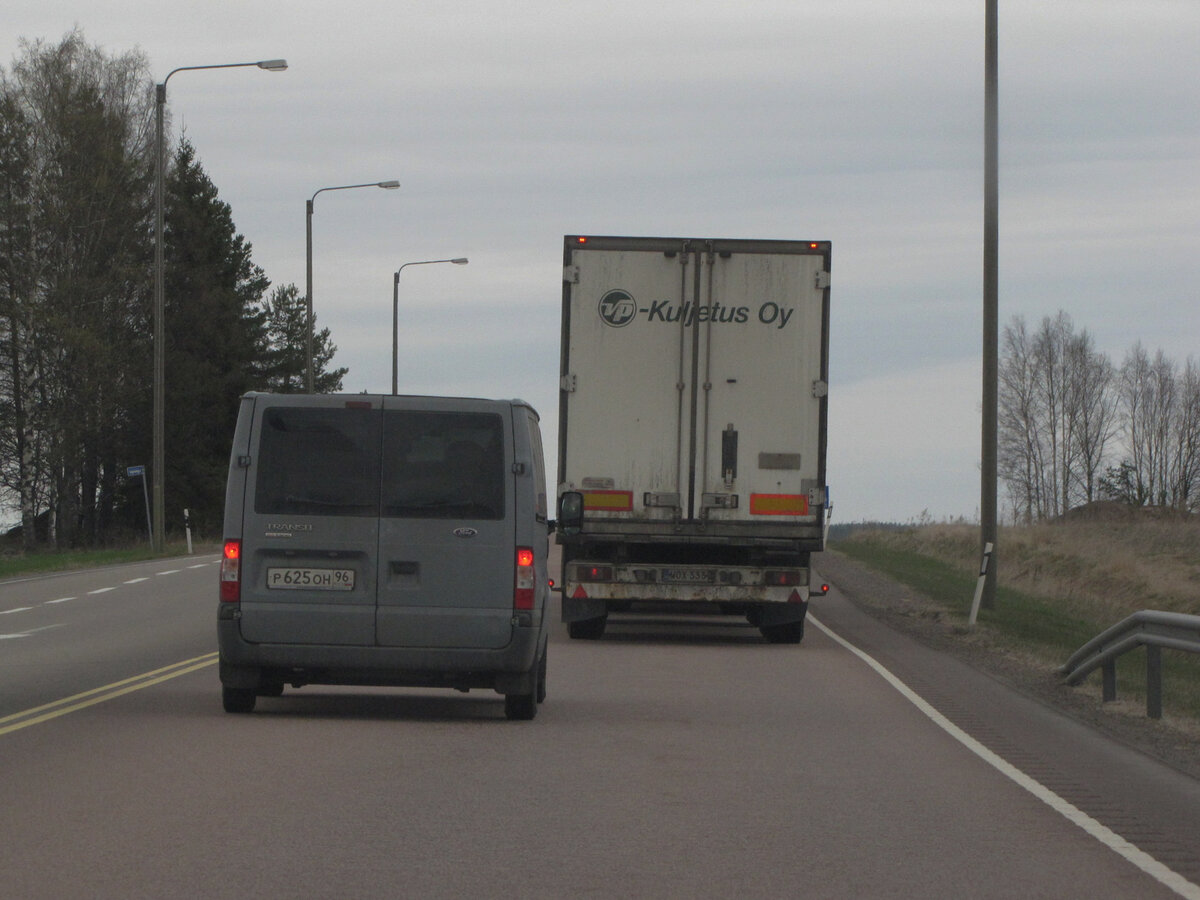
(1059, 586)
(15, 563)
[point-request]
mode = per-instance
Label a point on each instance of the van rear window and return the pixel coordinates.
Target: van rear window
(443, 465)
(403, 464)
(318, 462)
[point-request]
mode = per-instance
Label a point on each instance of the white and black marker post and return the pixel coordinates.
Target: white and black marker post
(187, 527)
(983, 570)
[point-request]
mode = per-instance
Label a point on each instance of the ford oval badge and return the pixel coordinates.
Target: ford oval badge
(465, 532)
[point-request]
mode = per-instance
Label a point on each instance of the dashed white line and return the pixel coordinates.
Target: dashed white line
(5, 612)
(59, 600)
(168, 572)
(136, 580)
(101, 591)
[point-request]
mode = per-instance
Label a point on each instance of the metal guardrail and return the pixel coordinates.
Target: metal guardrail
(1149, 628)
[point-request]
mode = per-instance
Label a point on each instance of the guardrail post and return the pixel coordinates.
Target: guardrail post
(1154, 681)
(1109, 672)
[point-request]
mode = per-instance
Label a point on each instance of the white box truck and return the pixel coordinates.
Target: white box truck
(692, 427)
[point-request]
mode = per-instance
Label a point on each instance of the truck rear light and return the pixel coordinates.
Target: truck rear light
(231, 572)
(523, 589)
(781, 577)
(592, 573)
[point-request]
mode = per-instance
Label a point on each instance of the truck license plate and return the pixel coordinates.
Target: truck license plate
(686, 576)
(305, 579)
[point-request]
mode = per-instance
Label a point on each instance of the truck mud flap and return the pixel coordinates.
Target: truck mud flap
(576, 609)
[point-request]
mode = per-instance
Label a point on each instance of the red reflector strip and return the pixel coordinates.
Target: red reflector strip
(779, 504)
(609, 501)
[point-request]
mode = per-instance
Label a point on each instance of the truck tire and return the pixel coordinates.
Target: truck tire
(238, 700)
(787, 633)
(587, 629)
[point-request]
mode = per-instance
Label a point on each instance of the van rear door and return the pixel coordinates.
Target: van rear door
(311, 522)
(447, 533)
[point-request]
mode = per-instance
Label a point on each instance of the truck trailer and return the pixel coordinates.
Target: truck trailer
(692, 427)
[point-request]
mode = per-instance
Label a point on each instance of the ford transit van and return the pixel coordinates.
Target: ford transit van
(383, 540)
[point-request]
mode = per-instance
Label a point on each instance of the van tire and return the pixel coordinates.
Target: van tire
(587, 629)
(238, 700)
(520, 707)
(541, 680)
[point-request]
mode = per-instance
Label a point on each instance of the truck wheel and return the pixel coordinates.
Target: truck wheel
(587, 629)
(788, 633)
(238, 700)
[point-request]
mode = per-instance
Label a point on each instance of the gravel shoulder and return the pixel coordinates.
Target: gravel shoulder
(1172, 740)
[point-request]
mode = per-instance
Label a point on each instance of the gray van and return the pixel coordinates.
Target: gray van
(383, 540)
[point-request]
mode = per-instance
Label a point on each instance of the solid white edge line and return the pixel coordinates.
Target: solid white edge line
(1144, 861)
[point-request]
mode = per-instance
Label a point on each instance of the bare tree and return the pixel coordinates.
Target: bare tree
(1056, 416)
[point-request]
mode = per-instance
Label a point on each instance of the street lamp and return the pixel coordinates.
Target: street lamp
(309, 364)
(458, 261)
(160, 101)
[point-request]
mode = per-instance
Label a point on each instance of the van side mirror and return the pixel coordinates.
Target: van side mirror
(570, 512)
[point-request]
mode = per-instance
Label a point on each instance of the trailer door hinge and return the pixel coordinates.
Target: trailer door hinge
(567, 382)
(571, 274)
(822, 280)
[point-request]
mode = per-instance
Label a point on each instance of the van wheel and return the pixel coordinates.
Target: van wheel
(587, 629)
(238, 700)
(520, 707)
(541, 680)
(788, 633)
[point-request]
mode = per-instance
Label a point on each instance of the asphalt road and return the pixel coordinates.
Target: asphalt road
(673, 758)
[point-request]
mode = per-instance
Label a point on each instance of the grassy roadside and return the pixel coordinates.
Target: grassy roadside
(1059, 587)
(15, 564)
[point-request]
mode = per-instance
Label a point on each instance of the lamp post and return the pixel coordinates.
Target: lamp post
(458, 261)
(160, 101)
(309, 364)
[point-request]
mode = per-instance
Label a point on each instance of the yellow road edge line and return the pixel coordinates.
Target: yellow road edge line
(116, 689)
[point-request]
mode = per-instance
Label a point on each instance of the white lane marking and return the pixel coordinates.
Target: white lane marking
(200, 565)
(59, 600)
(168, 572)
(31, 631)
(101, 591)
(5, 612)
(1102, 833)
(137, 580)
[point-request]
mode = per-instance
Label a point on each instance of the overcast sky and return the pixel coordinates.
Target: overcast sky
(510, 123)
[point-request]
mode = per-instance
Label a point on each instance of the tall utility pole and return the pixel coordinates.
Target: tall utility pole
(991, 305)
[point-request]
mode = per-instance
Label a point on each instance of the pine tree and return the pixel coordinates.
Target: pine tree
(286, 315)
(215, 339)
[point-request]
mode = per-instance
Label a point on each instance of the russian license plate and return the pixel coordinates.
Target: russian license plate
(305, 579)
(686, 576)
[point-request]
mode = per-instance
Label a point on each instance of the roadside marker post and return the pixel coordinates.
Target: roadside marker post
(983, 570)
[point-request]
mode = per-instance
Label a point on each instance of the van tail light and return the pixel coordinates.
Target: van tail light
(523, 587)
(231, 572)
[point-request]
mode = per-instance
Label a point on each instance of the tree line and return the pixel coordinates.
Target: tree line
(76, 296)
(1075, 428)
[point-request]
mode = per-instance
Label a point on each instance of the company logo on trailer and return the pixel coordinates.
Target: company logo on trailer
(618, 308)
